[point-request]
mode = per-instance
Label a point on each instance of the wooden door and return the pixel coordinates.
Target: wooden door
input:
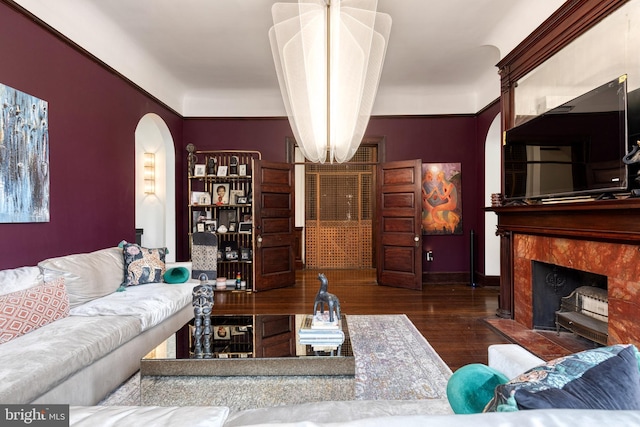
(273, 210)
(275, 335)
(398, 213)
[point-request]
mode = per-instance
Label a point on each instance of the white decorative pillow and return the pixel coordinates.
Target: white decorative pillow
(23, 311)
(87, 276)
(16, 279)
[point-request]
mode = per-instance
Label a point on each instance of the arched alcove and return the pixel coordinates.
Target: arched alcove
(492, 168)
(155, 213)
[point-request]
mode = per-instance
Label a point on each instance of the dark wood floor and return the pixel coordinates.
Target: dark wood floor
(451, 317)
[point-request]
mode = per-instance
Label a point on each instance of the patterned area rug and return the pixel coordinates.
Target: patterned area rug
(393, 362)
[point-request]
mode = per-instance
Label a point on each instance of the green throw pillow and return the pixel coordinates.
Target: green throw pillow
(471, 387)
(176, 275)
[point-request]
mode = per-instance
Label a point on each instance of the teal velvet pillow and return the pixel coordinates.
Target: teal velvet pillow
(176, 275)
(471, 387)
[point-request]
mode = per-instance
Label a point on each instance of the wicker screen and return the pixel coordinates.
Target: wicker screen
(339, 212)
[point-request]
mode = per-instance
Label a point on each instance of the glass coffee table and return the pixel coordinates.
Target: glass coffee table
(254, 361)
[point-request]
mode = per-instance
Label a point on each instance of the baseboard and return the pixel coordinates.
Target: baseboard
(458, 278)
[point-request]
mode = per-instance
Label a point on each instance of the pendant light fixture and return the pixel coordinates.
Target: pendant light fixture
(328, 56)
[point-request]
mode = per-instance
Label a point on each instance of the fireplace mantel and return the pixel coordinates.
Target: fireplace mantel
(598, 236)
(607, 220)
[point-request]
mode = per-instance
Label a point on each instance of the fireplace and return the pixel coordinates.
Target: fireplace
(596, 237)
(551, 283)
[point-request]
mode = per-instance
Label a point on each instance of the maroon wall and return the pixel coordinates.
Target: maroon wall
(433, 139)
(93, 115)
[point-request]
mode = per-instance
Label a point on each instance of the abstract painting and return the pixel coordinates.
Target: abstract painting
(24, 157)
(441, 198)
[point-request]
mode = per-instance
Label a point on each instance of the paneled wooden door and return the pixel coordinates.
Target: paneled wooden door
(274, 225)
(399, 210)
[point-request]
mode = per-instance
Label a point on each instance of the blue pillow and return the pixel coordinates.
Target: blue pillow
(601, 378)
(176, 275)
(471, 387)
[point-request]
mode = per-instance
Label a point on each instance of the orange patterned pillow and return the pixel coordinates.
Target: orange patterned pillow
(26, 310)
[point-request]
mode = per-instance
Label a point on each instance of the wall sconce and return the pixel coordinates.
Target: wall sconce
(149, 173)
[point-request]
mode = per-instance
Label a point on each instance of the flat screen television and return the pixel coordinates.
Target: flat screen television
(575, 149)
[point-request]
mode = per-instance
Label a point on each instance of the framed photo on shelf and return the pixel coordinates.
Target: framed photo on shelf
(205, 199)
(242, 170)
(234, 195)
(200, 170)
(221, 333)
(211, 225)
(241, 200)
(200, 227)
(246, 254)
(226, 217)
(233, 226)
(245, 227)
(233, 166)
(198, 216)
(222, 170)
(196, 197)
(231, 255)
(221, 194)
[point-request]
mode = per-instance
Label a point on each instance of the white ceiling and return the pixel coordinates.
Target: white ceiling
(211, 58)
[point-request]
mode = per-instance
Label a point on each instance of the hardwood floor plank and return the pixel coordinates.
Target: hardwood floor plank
(450, 317)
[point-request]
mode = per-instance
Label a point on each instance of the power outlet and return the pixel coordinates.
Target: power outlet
(429, 256)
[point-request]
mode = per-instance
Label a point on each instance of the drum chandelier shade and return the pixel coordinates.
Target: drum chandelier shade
(328, 56)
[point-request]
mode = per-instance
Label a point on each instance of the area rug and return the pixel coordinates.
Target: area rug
(393, 362)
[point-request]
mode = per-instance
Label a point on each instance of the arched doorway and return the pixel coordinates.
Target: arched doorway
(156, 213)
(492, 170)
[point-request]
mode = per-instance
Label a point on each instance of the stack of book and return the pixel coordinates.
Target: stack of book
(318, 331)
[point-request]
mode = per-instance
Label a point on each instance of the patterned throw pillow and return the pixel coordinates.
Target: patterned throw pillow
(143, 265)
(29, 309)
(600, 378)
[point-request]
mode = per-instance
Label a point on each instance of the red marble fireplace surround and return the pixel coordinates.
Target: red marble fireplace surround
(601, 237)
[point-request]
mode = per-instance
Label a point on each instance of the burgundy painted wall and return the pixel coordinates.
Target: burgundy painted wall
(433, 139)
(93, 115)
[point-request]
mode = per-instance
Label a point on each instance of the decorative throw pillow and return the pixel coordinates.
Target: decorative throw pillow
(29, 309)
(142, 265)
(601, 378)
(471, 387)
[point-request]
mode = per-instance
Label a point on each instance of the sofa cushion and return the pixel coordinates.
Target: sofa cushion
(117, 416)
(42, 359)
(471, 387)
(143, 265)
(151, 303)
(29, 309)
(87, 276)
(601, 378)
(16, 279)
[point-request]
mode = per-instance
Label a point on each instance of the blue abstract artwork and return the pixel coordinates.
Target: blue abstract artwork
(24, 157)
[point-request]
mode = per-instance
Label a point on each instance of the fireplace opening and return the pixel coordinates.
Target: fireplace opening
(553, 282)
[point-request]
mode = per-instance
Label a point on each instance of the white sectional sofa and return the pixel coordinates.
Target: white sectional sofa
(382, 413)
(86, 349)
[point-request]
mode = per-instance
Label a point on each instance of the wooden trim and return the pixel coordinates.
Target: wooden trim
(445, 278)
(571, 20)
